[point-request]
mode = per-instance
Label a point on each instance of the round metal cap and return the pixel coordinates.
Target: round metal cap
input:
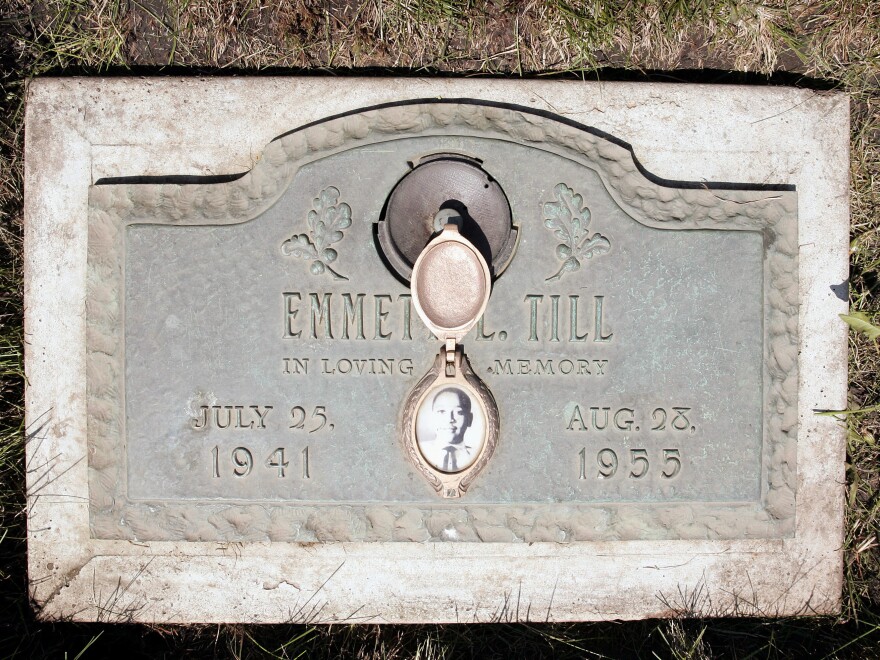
(452, 185)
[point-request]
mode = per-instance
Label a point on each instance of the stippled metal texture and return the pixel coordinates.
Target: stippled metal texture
(639, 347)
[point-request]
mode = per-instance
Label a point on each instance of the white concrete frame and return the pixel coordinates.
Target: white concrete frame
(79, 130)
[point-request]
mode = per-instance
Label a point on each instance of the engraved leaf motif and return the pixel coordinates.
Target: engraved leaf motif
(555, 217)
(329, 197)
(340, 216)
(569, 266)
(299, 246)
(326, 221)
(569, 218)
(598, 244)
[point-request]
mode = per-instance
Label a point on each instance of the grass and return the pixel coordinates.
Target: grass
(819, 43)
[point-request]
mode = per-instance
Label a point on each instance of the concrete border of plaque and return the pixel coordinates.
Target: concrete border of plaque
(447, 494)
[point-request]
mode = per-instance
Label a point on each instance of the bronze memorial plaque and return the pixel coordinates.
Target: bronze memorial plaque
(452, 320)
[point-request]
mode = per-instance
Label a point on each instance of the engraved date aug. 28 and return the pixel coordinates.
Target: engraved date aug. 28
(670, 419)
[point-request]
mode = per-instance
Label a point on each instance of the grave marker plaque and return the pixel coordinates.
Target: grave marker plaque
(594, 373)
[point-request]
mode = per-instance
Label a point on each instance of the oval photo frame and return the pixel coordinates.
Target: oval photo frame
(450, 427)
(470, 427)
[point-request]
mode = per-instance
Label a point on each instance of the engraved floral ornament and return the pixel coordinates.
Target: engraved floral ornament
(569, 219)
(327, 221)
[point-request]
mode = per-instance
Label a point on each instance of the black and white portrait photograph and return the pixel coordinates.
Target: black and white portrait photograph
(450, 429)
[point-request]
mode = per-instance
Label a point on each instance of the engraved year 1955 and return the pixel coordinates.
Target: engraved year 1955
(634, 464)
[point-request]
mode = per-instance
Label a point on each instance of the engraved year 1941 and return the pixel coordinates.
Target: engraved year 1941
(241, 462)
(244, 460)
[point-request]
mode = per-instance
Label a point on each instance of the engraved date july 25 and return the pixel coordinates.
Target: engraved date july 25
(310, 419)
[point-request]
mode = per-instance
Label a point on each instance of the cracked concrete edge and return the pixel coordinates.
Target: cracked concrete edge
(80, 129)
(344, 585)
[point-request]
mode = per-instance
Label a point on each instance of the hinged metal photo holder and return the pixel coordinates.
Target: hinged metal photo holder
(451, 285)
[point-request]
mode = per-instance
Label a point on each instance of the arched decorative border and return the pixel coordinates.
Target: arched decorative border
(769, 209)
